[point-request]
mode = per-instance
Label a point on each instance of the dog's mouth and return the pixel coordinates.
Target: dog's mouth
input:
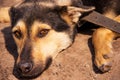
(35, 72)
(29, 70)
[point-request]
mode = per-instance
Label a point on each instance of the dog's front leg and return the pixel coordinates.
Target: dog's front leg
(102, 42)
(4, 15)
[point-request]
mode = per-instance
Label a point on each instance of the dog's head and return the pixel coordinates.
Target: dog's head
(40, 33)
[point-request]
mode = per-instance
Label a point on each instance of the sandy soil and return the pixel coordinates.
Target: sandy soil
(74, 63)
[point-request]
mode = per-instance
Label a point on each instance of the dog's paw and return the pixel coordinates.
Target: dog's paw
(4, 15)
(103, 62)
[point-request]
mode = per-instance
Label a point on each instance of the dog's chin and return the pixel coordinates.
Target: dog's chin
(31, 75)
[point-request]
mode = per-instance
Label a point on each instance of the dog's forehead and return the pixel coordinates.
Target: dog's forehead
(46, 15)
(36, 12)
(29, 12)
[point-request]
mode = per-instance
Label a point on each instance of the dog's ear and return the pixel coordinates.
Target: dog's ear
(13, 13)
(72, 14)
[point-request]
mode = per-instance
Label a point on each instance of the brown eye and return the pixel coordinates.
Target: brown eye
(17, 34)
(43, 33)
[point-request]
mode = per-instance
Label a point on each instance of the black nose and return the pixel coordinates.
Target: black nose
(25, 67)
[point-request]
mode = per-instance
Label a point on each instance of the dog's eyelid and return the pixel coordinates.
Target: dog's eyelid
(17, 34)
(43, 32)
(16, 30)
(44, 29)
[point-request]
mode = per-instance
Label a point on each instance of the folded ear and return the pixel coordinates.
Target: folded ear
(13, 13)
(72, 14)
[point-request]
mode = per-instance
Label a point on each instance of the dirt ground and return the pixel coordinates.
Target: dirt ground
(74, 63)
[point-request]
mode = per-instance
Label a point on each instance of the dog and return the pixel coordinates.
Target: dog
(43, 28)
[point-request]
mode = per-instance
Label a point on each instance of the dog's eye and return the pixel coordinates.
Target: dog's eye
(43, 33)
(17, 34)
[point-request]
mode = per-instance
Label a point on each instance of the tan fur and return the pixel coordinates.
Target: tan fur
(63, 2)
(20, 26)
(67, 18)
(50, 44)
(4, 15)
(102, 39)
(110, 14)
(20, 42)
(70, 18)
